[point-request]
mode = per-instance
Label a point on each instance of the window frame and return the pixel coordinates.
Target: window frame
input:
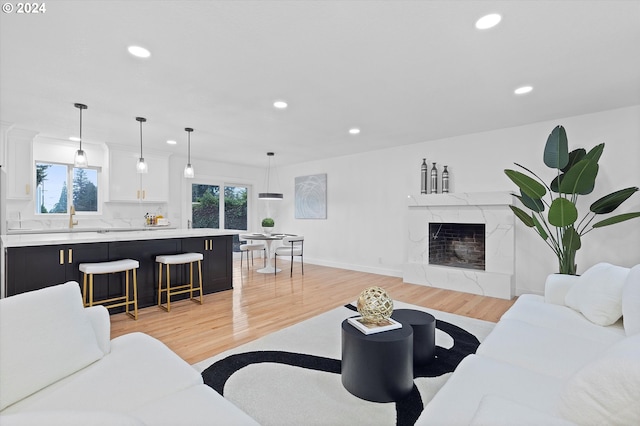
(70, 177)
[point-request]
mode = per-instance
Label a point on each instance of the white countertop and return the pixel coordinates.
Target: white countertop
(104, 236)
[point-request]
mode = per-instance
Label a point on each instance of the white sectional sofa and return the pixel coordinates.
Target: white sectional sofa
(58, 366)
(570, 357)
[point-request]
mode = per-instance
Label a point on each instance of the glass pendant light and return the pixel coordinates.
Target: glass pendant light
(142, 166)
(188, 169)
(80, 159)
(269, 195)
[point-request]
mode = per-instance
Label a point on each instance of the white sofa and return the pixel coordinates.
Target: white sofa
(563, 359)
(58, 366)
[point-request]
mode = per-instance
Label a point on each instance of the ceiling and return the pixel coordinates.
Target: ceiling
(401, 71)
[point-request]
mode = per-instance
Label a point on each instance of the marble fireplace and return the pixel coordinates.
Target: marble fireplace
(463, 242)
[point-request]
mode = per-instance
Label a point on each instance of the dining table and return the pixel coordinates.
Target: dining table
(268, 239)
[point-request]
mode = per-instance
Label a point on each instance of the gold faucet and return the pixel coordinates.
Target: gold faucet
(72, 211)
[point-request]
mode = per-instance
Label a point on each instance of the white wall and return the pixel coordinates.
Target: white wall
(366, 225)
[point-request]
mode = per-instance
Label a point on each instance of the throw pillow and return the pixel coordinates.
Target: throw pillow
(597, 294)
(607, 390)
(44, 337)
(631, 302)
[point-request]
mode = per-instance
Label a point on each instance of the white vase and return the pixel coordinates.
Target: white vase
(267, 229)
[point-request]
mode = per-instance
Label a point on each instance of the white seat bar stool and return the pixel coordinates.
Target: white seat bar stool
(292, 245)
(246, 247)
(179, 259)
(124, 265)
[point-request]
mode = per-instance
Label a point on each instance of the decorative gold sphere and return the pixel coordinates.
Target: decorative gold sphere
(375, 305)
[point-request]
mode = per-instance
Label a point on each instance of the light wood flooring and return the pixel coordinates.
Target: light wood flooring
(260, 304)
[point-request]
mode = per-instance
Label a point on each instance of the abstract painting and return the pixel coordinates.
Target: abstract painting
(311, 197)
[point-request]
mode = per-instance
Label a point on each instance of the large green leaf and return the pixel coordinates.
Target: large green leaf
(610, 202)
(562, 212)
(527, 185)
(616, 219)
(556, 151)
(555, 183)
(523, 216)
(534, 204)
(571, 239)
(595, 153)
(574, 156)
(540, 228)
(580, 179)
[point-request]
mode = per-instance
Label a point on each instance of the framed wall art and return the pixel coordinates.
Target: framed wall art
(311, 196)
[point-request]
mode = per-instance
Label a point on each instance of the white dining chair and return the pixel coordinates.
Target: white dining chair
(247, 246)
(292, 245)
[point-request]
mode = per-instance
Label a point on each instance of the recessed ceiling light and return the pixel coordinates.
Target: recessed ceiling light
(280, 104)
(138, 51)
(354, 131)
(171, 142)
(522, 90)
(488, 21)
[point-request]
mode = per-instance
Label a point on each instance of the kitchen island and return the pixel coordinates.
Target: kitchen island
(34, 261)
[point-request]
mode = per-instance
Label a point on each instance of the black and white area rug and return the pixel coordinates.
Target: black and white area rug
(292, 376)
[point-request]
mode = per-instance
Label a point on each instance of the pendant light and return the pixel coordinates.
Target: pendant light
(188, 169)
(80, 159)
(269, 195)
(142, 166)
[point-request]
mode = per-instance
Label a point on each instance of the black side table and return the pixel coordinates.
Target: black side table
(424, 333)
(377, 367)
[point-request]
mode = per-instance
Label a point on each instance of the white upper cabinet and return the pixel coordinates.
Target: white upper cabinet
(126, 184)
(19, 164)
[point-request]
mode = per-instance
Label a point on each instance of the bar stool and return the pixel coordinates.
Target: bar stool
(178, 259)
(124, 265)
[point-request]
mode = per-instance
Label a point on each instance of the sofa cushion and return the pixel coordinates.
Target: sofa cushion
(534, 310)
(499, 411)
(69, 418)
(631, 302)
(597, 294)
(607, 390)
(476, 376)
(44, 337)
(139, 369)
(199, 405)
(544, 350)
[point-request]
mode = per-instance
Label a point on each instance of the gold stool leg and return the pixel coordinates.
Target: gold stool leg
(90, 289)
(191, 280)
(135, 295)
(126, 291)
(160, 284)
(168, 288)
(200, 278)
(84, 290)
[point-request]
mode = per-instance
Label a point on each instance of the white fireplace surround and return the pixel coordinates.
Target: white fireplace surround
(489, 208)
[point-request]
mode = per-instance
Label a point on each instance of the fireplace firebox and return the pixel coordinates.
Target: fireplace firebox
(458, 245)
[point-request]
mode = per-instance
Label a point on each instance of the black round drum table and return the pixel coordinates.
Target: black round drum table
(377, 367)
(424, 333)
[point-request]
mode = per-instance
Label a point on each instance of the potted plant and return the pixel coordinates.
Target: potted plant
(267, 225)
(552, 208)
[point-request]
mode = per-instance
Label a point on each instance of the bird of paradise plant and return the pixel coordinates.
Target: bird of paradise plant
(553, 212)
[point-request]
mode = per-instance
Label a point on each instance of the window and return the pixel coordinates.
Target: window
(205, 206)
(206, 210)
(52, 188)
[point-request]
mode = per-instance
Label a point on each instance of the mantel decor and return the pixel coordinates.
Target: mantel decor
(553, 212)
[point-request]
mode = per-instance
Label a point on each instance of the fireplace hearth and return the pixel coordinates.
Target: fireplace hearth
(462, 241)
